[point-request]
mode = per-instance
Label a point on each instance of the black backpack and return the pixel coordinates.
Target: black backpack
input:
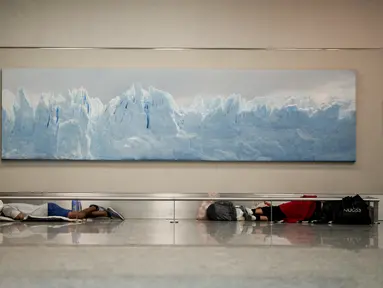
(221, 211)
(351, 210)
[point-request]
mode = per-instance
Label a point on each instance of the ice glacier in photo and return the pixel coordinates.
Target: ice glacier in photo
(178, 115)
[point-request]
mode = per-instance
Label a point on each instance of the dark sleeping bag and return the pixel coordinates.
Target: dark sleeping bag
(221, 211)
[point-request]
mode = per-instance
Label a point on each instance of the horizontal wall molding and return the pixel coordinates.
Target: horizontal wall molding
(190, 48)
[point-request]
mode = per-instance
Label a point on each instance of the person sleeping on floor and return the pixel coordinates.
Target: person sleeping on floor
(19, 211)
(350, 210)
(289, 212)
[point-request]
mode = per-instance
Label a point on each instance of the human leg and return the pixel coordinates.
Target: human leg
(93, 211)
(56, 210)
(86, 213)
(269, 213)
(100, 213)
(108, 212)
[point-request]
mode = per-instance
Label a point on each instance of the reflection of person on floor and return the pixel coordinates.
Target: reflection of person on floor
(19, 211)
(15, 233)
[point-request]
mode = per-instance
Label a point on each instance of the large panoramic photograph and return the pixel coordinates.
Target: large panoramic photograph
(179, 115)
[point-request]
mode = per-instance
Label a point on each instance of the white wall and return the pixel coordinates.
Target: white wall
(204, 23)
(192, 23)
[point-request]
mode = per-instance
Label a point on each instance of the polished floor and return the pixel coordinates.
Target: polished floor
(156, 253)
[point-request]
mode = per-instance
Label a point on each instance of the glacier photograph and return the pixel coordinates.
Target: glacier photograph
(163, 114)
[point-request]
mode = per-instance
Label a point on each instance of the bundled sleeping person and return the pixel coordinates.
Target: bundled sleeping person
(350, 210)
(289, 212)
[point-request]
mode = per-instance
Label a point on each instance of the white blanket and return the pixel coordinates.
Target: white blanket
(39, 218)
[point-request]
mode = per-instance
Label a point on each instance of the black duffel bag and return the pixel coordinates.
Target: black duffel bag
(351, 210)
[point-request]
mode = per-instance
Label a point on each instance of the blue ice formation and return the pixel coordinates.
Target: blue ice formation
(149, 125)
